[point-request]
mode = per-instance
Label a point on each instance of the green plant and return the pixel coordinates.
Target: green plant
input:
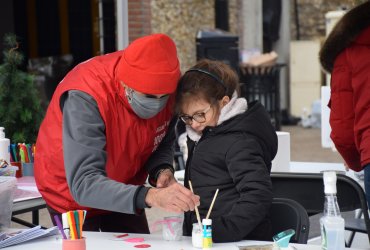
(20, 109)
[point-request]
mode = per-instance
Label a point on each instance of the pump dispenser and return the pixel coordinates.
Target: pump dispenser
(332, 223)
(4, 147)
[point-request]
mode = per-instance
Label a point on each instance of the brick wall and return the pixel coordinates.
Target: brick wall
(139, 18)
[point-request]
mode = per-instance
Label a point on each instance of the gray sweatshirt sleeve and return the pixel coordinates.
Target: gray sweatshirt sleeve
(84, 158)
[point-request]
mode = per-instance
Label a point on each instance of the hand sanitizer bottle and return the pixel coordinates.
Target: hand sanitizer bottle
(4, 147)
(332, 223)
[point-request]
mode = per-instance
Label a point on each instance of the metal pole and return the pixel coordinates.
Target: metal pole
(101, 27)
(122, 24)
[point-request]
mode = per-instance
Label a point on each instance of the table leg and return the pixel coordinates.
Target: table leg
(35, 217)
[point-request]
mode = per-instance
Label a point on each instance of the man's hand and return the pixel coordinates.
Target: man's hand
(165, 179)
(174, 198)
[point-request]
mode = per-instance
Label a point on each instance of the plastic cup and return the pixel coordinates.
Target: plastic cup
(18, 164)
(8, 185)
(172, 228)
(78, 244)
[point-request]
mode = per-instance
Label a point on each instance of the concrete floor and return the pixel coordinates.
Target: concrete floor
(305, 146)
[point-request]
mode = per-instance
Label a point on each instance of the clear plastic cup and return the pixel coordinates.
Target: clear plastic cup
(172, 228)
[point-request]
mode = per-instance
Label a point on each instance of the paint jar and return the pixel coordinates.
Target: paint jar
(172, 228)
(197, 236)
(207, 233)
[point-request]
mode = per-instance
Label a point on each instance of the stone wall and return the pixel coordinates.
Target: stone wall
(311, 16)
(234, 16)
(181, 20)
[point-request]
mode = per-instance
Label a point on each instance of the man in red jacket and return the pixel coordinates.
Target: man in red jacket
(346, 55)
(107, 126)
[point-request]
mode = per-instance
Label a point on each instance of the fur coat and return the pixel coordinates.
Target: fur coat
(346, 55)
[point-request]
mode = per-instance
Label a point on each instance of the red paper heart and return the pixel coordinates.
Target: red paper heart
(142, 246)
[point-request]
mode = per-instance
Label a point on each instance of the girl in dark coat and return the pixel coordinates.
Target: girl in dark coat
(231, 145)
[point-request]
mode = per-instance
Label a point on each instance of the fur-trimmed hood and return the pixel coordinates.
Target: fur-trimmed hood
(346, 31)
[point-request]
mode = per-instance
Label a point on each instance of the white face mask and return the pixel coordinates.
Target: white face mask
(143, 106)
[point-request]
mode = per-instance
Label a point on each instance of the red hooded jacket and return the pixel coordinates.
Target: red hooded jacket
(346, 55)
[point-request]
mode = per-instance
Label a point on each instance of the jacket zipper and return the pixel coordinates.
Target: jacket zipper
(191, 159)
(188, 164)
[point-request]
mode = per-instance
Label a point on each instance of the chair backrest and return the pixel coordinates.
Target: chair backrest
(289, 214)
(308, 190)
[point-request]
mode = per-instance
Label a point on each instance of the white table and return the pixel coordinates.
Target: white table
(318, 167)
(301, 167)
(99, 241)
(27, 199)
(315, 167)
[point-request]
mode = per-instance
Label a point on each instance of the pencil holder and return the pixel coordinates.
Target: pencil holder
(27, 169)
(18, 164)
(78, 244)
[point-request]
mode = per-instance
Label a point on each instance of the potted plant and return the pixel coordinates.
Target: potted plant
(20, 108)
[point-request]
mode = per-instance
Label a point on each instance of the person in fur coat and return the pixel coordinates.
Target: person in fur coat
(346, 56)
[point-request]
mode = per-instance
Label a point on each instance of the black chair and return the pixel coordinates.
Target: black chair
(308, 190)
(289, 214)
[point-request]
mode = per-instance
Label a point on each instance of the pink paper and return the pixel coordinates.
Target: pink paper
(121, 235)
(142, 246)
(134, 240)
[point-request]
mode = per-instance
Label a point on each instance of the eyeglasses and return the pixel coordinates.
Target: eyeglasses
(198, 117)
